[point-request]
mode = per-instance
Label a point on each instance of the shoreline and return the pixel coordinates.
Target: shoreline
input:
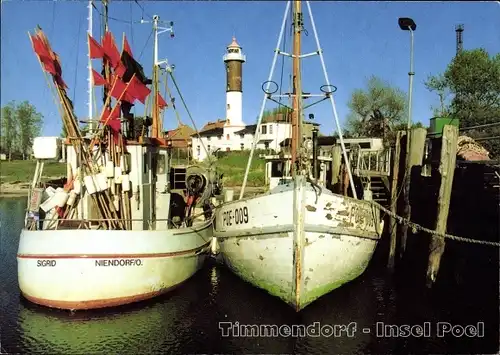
(21, 189)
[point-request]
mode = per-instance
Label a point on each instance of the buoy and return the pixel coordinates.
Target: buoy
(71, 198)
(77, 186)
(61, 197)
(116, 202)
(118, 175)
(102, 181)
(49, 204)
(125, 183)
(90, 185)
(110, 169)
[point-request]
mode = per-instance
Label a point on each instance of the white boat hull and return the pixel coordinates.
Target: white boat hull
(87, 269)
(296, 245)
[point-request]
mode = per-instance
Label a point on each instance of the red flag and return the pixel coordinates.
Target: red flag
(138, 90)
(109, 115)
(120, 70)
(95, 49)
(110, 50)
(118, 89)
(39, 47)
(126, 46)
(160, 101)
(98, 79)
(115, 124)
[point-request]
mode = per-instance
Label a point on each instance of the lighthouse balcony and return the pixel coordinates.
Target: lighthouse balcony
(234, 56)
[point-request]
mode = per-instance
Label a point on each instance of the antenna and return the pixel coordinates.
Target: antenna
(459, 29)
(156, 66)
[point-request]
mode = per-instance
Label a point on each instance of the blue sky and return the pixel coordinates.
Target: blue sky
(359, 39)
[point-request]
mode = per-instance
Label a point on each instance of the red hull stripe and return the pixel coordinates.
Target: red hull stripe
(111, 256)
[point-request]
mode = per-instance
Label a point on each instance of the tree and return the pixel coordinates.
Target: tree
(439, 85)
(376, 111)
(30, 122)
(9, 128)
(473, 78)
(21, 123)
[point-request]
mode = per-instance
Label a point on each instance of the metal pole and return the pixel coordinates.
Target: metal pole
(406, 194)
(89, 30)
(410, 74)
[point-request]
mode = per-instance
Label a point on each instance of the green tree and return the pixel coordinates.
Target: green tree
(473, 78)
(439, 85)
(30, 123)
(9, 129)
(377, 111)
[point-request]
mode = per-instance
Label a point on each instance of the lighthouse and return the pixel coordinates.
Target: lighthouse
(234, 59)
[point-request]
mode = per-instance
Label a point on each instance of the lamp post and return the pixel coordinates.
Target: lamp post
(407, 24)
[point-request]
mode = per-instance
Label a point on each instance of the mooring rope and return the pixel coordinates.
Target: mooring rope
(416, 227)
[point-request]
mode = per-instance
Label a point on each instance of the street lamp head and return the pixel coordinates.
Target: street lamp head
(406, 23)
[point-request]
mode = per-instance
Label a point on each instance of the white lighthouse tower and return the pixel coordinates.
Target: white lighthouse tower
(234, 59)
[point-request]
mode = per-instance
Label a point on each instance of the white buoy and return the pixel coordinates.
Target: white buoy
(118, 175)
(125, 183)
(71, 198)
(77, 186)
(110, 169)
(102, 181)
(48, 204)
(116, 202)
(61, 197)
(88, 181)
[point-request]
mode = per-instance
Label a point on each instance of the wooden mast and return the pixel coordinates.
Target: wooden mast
(297, 90)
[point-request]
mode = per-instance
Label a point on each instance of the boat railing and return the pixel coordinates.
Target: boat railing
(371, 162)
(101, 223)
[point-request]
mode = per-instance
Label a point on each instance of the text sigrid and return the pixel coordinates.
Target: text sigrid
(43, 263)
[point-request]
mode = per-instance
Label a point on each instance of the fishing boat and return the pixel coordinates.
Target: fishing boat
(300, 240)
(116, 230)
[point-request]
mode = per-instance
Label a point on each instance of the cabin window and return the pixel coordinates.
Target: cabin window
(263, 129)
(364, 145)
(198, 150)
(209, 138)
(160, 164)
(228, 149)
(270, 129)
(266, 145)
(219, 137)
(208, 148)
(228, 106)
(276, 169)
(242, 136)
(227, 137)
(242, 146)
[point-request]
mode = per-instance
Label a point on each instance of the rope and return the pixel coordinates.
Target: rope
(188, 112)
(416, 227)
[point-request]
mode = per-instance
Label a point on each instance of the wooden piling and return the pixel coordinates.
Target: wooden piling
(394, 198)
(446, 170)
(337, 161)
(415, 158)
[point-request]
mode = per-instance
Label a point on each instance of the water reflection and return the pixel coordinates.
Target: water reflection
(187, 320)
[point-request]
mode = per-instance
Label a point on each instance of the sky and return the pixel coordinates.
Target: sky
(359, 39)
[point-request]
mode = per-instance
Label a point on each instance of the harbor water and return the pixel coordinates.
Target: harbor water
(216, 312)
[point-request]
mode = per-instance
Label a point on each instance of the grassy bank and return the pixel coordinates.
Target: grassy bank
(231, 164)
(21, 171)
